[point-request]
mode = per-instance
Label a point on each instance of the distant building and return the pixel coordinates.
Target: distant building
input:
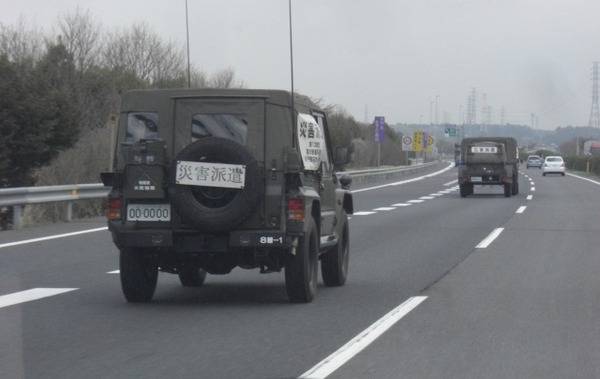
(591, 147)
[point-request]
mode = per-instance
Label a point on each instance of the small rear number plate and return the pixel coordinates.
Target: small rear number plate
(476, 178)
(149, 212)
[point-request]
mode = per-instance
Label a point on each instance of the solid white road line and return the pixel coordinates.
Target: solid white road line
(30, 295)
(489, 239)
(384, 209)
(52, 237)
(586, 179)
(361, 341)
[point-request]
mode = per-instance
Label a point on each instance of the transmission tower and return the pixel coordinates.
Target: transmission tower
(595, 113)
(472, 107)
(483, 128)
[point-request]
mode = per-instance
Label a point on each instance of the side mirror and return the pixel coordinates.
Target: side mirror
(342, 156)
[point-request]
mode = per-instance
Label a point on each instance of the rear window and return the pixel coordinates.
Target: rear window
(554, 159)
(141, 125)
(230, 126)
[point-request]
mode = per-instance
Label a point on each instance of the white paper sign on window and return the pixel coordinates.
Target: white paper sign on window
(311, 141)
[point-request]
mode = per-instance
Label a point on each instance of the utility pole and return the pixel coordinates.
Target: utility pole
(594, 112)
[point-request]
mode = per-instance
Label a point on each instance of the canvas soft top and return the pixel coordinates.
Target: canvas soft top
(153, 98)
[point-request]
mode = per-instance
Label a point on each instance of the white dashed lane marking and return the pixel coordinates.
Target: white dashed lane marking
(408, 203)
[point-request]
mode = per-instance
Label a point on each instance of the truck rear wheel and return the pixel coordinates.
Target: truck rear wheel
(507, 190)
(301, 271)
(139, 274)
(191, 276)
(464, 190)
(334, 263)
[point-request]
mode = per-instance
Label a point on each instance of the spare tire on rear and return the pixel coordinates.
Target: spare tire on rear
(216, 209)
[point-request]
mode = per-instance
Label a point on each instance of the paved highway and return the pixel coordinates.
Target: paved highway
(439, 286)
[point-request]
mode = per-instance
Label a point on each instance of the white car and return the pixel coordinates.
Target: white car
(553, 165)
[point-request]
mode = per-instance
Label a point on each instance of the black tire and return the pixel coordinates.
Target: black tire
(301, 271)
(464, 190)
(190, 276)
(507, 190)
(334, 263)
(139, 274)
(215, 209)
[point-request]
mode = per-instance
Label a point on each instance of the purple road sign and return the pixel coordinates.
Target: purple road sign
(379, 129)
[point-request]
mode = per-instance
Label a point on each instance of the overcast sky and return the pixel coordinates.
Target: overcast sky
(391, 58)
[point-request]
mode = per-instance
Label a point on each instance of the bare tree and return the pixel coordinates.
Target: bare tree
(143, 52)
(225, 79)
(80, 34)
(22, 43)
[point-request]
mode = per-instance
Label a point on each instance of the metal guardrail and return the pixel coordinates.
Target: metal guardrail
(17, 198)
(69, 193)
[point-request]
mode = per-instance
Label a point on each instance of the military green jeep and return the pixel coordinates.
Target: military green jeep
(206, 180)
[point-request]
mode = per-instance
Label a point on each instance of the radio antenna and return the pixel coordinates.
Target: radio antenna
(291, 56)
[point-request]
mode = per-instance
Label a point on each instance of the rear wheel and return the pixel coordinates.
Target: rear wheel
(190, 276)
(507, 190)
(334, 263)
(139, 274)
(301, 271)
(464, 190)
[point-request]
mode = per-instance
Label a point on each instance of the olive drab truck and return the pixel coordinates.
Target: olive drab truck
(206, 180)
(488, 161)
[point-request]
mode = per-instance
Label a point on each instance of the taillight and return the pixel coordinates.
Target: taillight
(295, 209)
(114, 208)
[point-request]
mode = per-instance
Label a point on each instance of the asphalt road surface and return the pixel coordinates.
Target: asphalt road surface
(439, 287)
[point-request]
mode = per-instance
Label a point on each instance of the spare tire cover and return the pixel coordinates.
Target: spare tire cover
(216, 209)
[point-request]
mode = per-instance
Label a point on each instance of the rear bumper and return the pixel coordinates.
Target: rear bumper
(485, 180)
(194, 241)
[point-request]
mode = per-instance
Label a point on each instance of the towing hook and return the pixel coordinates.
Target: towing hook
(294, 246)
